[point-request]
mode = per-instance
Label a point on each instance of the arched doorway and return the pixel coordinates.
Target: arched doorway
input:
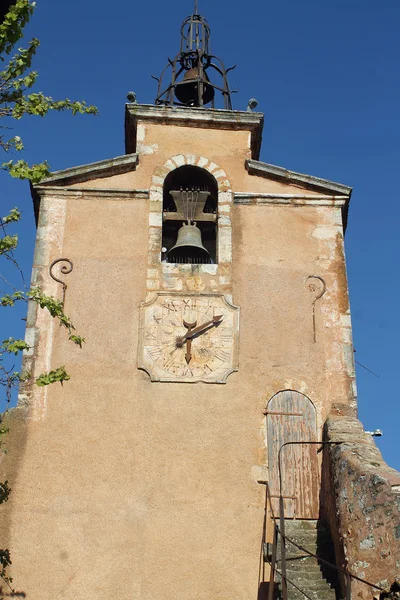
(291, 417)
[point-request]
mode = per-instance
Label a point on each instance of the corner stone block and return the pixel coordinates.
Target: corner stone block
(153, 258)
(170, 166)
(224, 280)
(152, 274)
(155, 189)
(155, 206)
(162, 172)
(224, 245)
(190, 159)
(225, 197)
(173, 283)
(31, 338)
(179, 160)
(155, 219)
(153, 285)
(202, 162)
(157, 180)
(155, 197)
(224, 186)
(224, 220)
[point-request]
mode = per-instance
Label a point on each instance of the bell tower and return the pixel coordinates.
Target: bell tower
(190, 83)
(211, 289)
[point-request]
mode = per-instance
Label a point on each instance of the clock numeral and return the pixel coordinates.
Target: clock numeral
(150, 335)
(226, 336)
(187, 372)
(157, 319)
(155, 353)
(204, 352)
(207, 369)
(221, 355)
(169, 306)
(168, 364)
(190, 304)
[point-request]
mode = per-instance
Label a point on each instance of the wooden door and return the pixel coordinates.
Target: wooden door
(291, 417)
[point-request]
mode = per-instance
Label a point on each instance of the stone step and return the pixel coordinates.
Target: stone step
(303, 566)
(326, 595)
(305, 571)
(315, 593)
(317, 539)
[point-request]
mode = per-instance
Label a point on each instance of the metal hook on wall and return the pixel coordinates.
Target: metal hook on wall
(313, 287)
(65, 269)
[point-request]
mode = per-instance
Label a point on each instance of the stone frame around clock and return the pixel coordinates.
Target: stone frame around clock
(147, 365)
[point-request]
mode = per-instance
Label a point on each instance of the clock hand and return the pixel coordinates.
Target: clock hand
(215, 321)
(189, 327)
(194, 331)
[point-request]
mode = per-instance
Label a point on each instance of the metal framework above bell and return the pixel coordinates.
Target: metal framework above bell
(189, 206)
(190, 84)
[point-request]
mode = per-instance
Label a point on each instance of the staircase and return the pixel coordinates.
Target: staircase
(316, 580)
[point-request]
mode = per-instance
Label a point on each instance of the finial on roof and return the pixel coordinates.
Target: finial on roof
(190, 84)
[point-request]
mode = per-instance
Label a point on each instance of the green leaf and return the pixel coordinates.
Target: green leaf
(55, 307)
(59, 374)
(3, 431)
(21, 170)
(5, 560)
(8, 243)
(77, 339)
(14, 346)
(11, 29)
(4, 493)
(8, 300)
(38, 104)
(13, 216)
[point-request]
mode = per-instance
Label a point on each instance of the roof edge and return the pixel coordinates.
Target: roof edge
(102, 168)
(262, 169)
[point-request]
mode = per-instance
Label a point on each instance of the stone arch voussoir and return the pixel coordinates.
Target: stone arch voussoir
(180, 160)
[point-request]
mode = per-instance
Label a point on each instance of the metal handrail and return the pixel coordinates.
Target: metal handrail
(284, 538)
(327, 563)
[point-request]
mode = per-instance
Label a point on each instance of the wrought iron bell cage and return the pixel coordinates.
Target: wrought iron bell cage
(190, 84)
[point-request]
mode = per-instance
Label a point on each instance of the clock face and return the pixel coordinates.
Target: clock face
(189, 338)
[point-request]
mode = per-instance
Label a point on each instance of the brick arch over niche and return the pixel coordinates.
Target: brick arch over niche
(225, 203)
(181, 160)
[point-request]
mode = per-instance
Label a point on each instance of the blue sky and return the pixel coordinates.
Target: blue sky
(326, 75)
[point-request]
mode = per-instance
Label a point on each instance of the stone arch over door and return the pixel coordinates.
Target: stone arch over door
(291, 417)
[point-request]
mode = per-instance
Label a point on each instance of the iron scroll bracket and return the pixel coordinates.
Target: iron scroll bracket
(65, 269)
(312, 287)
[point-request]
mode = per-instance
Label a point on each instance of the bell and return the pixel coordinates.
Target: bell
(187, 91)
(189, 247)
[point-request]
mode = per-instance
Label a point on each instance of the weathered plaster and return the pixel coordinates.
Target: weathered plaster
(360, 506)
(166, 474)
(40, 326)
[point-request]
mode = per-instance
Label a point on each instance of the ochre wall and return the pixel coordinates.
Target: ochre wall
(123, 487)
(228, 149)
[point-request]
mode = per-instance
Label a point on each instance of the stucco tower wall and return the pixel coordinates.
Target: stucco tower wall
(148, 488)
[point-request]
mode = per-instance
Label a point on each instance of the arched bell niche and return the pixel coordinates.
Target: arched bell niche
(190, 206)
